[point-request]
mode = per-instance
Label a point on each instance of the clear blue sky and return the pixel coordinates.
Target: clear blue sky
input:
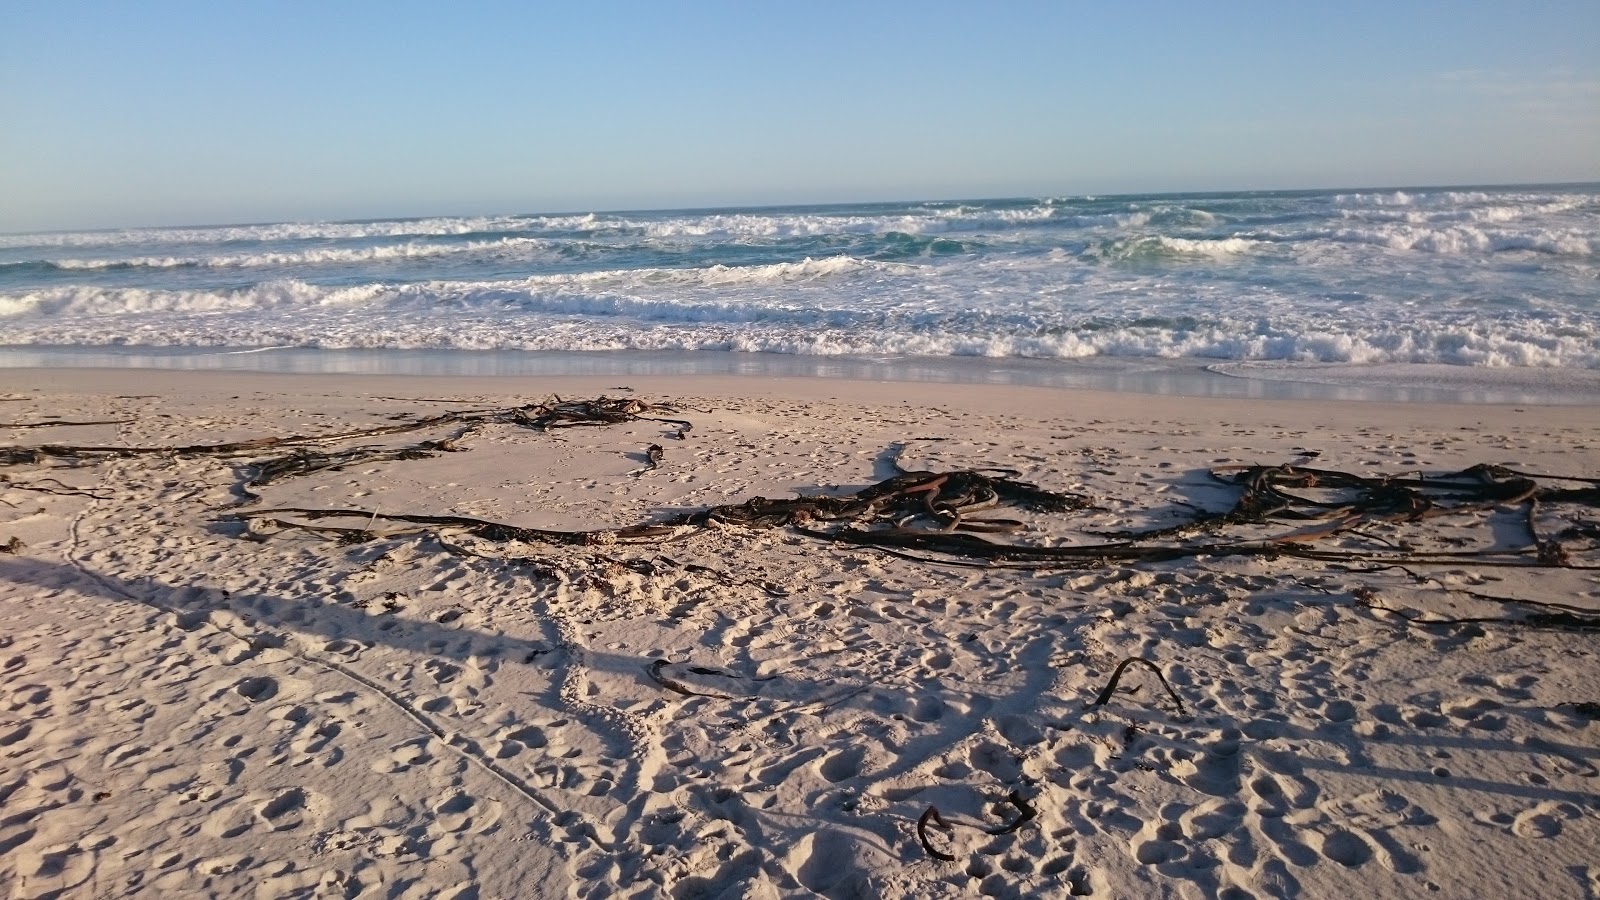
(122, 113)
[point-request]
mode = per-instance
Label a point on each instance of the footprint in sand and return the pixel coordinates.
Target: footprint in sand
(1277, 785)
(404, 756)
(528, 737)
(1078, 879)
(1345, 848)
(1158, 843)
(257, 689)
(290, 809)
(1214, 818)
(55, 869)
(834, 864)
(1217, 770)
(998, 761)
(845, 764)
(1544, 820)
(462, 812)
(312, 741)
(14, 732)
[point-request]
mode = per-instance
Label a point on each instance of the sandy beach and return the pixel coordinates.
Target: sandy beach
(211, 694)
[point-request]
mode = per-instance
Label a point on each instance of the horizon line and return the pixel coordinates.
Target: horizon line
(1113, 195)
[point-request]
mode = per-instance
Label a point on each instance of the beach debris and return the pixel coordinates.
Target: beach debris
(931, 815)
(302, 459)
(40, 486)
(657, 673)
(1025, 813)
(1321, 503)
(542, 416)
(1563, 619)
(958, 518)
(1116, 676)
(1587, 709)
(653, 455)
(61, 423)
(932, 517)
(601, 411)
(941, 499)
(14, 545)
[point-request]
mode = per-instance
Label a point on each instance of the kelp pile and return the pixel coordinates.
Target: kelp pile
(1339, 504)
(304, 458)
(959, 517)
(933, 503)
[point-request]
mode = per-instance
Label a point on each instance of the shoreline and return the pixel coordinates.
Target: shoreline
(1201, 378)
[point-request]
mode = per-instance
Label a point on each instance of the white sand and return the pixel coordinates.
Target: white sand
(191, 710)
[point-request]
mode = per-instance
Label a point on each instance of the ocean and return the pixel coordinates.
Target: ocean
(1457, 282)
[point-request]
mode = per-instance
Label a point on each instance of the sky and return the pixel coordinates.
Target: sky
(160, 113)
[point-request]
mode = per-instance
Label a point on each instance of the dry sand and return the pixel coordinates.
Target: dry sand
(194, 708)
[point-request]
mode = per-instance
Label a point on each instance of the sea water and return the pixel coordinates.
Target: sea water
(1261, 282)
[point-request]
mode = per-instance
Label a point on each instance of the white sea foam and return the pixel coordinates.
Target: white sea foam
(294, 231)
(1160, 245)
(1449, 240)
(1228, 341)
(693, 310)
(578, 292)
(700, 225)
(1464, 278)
(408, 250)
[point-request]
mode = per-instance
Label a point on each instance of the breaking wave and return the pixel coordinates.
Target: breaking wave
(311, 257)
(1481, 278)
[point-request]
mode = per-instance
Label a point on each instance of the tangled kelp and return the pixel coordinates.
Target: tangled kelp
(1346, 504)
(302, 458)
(957, 517)
(930, 517)
(940, 499)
